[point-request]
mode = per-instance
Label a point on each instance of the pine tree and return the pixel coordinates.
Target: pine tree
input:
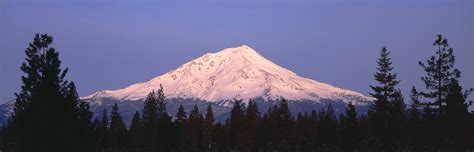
(222, 136)
(397, 118)
(285, 124)
(166, 133)
(251, 125)
(103, 138)
(303, 132)
(314, 125)
(118, 131)
(165, 128)
(327, 128)
(456, 105)
(194, 126)
(414, 106)
(82, 117)
(208, 130)
(439, 70)
(414, 120)
(350, 129)
(236, 125)
(104, 121)
(181, 130)
(135, 135)
(457, 120)
(264, 135)
(48, 116)
(150, 122)
(386, 97)
(160, 102)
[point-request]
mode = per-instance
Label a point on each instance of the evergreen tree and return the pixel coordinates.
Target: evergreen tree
(150, 122)
(350, 129)
(165, 129)
(48, 116)
(439, 70)
(458, 122)
(303, 132)
(181, 116)
(181, 130)
(456, 104)
(327, 128)
(251, 125)
(194, 126)
(314, 118)
(103, 139)
(118, 131)
(265, 128)
(222, 136)
(413, 135)
(397, 119)
(208, 130)
(236, 125)
(285, 125)
(135, 135)
(84, 131)
(166, 133)
(414, 106)
(386, 98)
(160, 102)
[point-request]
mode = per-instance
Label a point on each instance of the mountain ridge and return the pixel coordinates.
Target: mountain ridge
(234, 73)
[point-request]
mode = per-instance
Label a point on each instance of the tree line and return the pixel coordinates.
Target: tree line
(48, 116)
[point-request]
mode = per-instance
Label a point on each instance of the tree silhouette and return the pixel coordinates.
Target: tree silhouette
(150, 122)
(194, 126)
(208, 130)
(135, 134)
(103, 132)
(439, 70)
(48, 116)
(118, 131)
(236, 125)
(251, 125)
(388, 101)
(458, 123)
(181, 130)
(350, 129)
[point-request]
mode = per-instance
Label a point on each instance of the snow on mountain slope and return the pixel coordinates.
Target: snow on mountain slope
(239, 73)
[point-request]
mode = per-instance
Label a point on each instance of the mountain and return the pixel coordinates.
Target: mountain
(234, 73)
(219, 78)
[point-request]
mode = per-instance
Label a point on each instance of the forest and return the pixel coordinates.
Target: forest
(50, 117)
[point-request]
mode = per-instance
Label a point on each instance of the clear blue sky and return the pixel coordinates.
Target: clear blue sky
(110, 44)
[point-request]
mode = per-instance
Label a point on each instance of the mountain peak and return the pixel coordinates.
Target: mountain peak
(246, 48)
(234, 73)
(241, 50)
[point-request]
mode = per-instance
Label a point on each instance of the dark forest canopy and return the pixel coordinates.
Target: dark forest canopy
(49, 117)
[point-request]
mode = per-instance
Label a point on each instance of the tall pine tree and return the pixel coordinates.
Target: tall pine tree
(150, 122)
(251, 125)
(350, 129)
(458, 122)
(386, 97)
(135, 134)
(103, 132)
(236, 125)
(181, 130)
(439, 72)
(194, 126)
(208, 130)
(48, 116)
(118, 131)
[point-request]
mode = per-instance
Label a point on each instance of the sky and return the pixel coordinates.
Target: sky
(110, 44)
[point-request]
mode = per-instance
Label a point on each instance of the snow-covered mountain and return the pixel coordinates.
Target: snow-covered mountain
(233, 73)
(216, 79)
